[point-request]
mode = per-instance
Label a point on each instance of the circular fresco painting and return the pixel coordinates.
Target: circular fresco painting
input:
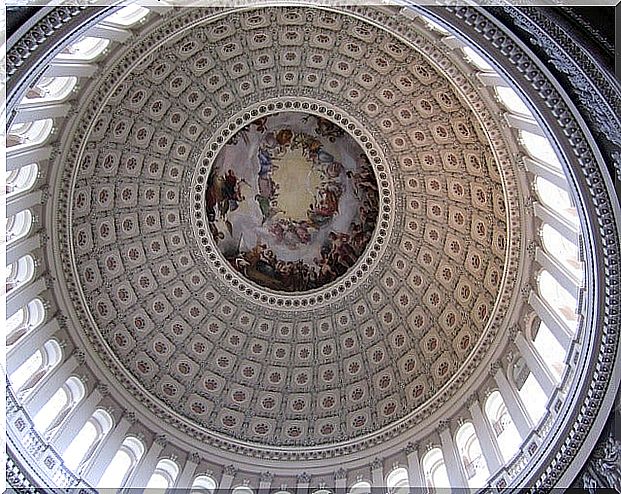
(292, 201)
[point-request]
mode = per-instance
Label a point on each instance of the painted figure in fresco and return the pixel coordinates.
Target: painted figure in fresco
(267, 206)
(278, 141)
(326, 128)
(340, 248)
(224, 194)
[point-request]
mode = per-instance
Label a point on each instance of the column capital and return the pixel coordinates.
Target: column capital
(410, 448)
(230, 470)
(376, 464)
(514, 330)
(303, 478)
(494, 367)
(131, 417)
(340, 474)
(443, 425)
(531, 249)
(103, 389)
(266, 477)
(194, 457)
(80, 356)
(50, 281)
(525, 291)
(161, 440)
(471, 400)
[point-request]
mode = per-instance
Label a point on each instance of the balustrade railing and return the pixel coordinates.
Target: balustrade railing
(32, 445)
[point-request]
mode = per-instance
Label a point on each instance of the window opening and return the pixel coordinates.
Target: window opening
(434, 470)
(551, 351)
(502, 424)
(560, 300)
(471, 455)
(124, 461)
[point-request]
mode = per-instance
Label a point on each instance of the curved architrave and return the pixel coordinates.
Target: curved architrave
(597, 284)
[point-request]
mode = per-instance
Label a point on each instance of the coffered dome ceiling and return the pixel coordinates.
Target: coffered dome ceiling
(288, 226)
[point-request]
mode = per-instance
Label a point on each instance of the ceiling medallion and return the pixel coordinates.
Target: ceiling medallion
(291, 201)
(288, 199)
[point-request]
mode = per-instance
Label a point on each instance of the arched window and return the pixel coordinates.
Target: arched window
(397, 481)
(164, 475)
(477, 60)
(23, 321)
(243, 489)
(22, 179)
(81, 449)
(127, 16)
(19, 273)
(203, 484)
(511, 101)
(434, 471)
(551, 351)
(557, 200)
(18, 225)
(30, 373)
(539, 148)
(560, 300)
(125, 459)
(534, 398)
(55, 411)
(471, 455)
(362, 487)
(88, 48)
(48, 89)
(507, 435)
(435, 26)
(563, 250)
(28, 134)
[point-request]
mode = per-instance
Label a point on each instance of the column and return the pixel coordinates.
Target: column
(452, 42)
(23, 201)
(113, 33)
(491, 79)
(550, 173)
(55, 378)
(111, 445)
(524, 122)
(552, 320)
(566, 279)
(34, 112)
(21, 296)
(77, 419)
(185, 479)
(340, 481)
(146, 466)
(15, 160)
(23, 349)
(228, 474)
(378, 484)
(415, 472)
(556, 221)
(454, 468)
(303, 481)
(486, 437)
(60, 68)
(514, 404)
(536, 365)
(23, 246)
(265, 482)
